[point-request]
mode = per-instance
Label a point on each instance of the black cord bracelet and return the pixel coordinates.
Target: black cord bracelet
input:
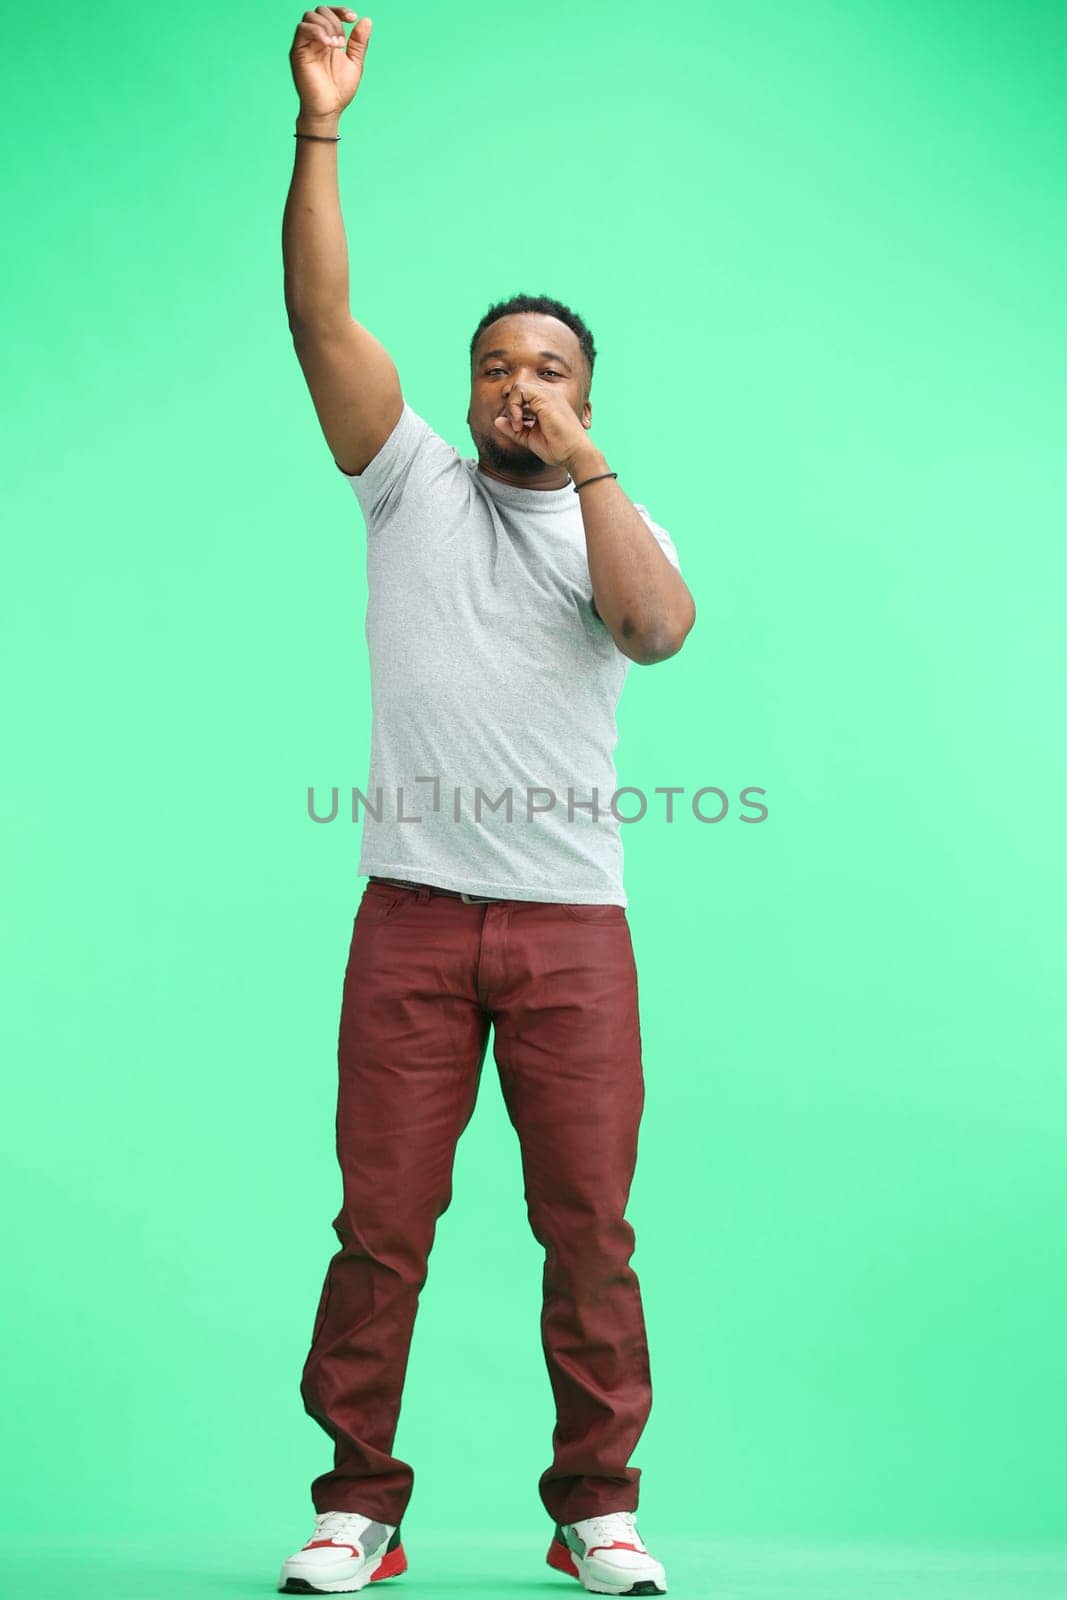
(599, 475)
(323, 138)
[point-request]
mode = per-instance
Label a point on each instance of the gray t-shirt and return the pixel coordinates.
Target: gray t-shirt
(491, 672)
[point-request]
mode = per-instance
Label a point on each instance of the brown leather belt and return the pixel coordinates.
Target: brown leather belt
(471, 899)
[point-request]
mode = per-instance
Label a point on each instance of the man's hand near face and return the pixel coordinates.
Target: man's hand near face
(544, 420)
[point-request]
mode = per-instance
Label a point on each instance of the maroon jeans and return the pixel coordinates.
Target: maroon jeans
(426, 975)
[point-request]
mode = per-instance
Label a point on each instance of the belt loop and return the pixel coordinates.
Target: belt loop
(422, 893)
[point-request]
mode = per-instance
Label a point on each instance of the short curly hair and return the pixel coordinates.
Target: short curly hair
(548, 307)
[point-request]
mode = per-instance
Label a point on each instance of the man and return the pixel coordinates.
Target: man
(504, 610)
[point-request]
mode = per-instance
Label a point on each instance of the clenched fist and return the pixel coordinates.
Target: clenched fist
(327, 68)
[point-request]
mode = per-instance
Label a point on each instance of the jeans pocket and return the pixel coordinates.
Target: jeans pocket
(593, 913)
(379, 901)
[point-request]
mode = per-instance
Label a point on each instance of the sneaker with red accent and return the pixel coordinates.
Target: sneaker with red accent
(346, 1552)
(606, 1555)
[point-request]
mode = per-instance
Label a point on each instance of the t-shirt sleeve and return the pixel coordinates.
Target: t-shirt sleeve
(663, 538)
(408, 462)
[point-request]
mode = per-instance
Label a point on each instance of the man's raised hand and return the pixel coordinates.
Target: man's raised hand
(326, 66)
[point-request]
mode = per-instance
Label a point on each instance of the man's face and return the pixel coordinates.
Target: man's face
(529, 345)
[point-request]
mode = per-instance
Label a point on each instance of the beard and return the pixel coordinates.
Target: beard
(514, 456)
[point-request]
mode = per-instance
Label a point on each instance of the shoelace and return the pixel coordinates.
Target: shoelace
(344, 1525)
(616, 1525)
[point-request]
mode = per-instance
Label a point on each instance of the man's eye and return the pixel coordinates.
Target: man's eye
(491, 372)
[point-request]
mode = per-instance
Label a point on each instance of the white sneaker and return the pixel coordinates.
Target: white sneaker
(606, 1555)
(345, 1552)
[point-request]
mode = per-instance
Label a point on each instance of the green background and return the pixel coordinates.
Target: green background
(822, 251)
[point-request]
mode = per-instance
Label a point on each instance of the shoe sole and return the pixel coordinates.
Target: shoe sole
(391, 1565)
(561, 1559)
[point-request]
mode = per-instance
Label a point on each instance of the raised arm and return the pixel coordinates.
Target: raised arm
(354, 384)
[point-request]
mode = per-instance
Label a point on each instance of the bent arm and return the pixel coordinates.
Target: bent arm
(640, 597)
